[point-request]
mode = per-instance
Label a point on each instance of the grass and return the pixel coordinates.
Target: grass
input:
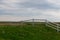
(28, 32)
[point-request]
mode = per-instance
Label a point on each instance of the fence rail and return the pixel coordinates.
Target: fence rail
(53, 25)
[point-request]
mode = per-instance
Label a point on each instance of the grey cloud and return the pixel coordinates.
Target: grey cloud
(40, 4)
(23, 10)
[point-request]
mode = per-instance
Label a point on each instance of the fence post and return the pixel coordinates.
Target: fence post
(46, 22)
(57, 28)
(33, 22)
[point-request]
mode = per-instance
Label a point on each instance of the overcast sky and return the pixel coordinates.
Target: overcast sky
(16, 10)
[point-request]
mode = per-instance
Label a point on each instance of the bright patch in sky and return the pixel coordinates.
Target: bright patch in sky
(9, 1)
(57, 2)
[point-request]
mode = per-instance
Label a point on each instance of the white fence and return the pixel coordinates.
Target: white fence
(35, 20)
(48, 23)
(53, 25)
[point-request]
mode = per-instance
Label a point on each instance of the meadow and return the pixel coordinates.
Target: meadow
(28, 32)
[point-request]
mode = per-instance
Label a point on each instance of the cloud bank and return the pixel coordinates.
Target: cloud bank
(14, 10)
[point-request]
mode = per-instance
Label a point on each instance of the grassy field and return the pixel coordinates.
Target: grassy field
(28, 32)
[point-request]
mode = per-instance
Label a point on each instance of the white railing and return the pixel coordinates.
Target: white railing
(48, 23)
(53, 25)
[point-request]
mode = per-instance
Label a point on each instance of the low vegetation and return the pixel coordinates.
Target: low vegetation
(28, 32)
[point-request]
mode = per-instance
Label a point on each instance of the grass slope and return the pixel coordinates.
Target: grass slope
(28, 32)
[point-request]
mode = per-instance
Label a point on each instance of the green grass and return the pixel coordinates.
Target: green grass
(28, 32)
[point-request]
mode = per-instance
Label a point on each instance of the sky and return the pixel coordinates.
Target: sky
(16, 10)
